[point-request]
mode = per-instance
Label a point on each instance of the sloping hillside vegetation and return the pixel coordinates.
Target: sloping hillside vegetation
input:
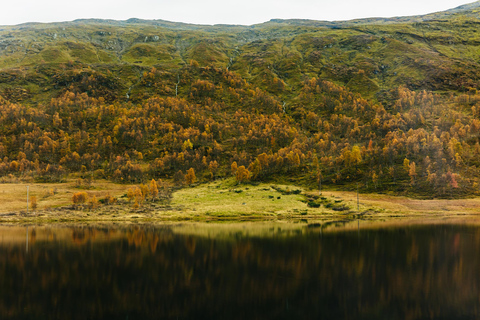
(382, 104)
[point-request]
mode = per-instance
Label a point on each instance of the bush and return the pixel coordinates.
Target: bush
(313, 204)
(93, 202)
(108, 200)
(79, 197)
(33, 202)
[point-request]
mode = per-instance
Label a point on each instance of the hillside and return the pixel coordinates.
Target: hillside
(385, 104)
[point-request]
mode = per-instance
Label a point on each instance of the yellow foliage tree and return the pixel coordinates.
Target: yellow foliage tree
(153, 189)
(130, 194)
(406, 165)
(213, 167)
(255, 168)
(234, 167)
(412, 173)
(190, 176)
(93, 202)
(242, 174)
(139, 197)
(187, 145)
(145, 191)
(356, 155)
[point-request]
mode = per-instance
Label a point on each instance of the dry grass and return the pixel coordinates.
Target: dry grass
(407, 206)
(13, 196)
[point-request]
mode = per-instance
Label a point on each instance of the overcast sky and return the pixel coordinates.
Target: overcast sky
(244, 12)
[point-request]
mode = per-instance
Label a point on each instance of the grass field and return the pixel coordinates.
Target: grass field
(225, 199)
(221, 200)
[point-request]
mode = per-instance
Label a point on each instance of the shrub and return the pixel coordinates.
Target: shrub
(109, 199)
(93, 202)
(313, 204)
(79, 197)
(33, 202)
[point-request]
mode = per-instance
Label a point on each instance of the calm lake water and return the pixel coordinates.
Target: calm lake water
(357, 270)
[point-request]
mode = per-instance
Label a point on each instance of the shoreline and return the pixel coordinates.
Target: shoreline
(222, 201)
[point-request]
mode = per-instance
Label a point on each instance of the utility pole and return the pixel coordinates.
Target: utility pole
(28, 187)
(358, 200)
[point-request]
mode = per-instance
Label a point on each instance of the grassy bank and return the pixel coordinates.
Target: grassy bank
(217, 201)
(13, 196)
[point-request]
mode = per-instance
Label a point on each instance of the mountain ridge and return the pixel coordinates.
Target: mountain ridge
(458, 9)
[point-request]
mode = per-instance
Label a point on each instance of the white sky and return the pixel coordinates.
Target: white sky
(244, 12)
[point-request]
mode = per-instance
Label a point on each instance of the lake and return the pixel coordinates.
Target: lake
(336, 270)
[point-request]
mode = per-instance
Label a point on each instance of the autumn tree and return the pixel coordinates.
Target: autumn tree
(139, 197)
(255, 168)
(130, 194)
(213, 167)
(190, 177)
(242, 174)
(375, 180)
(93, 202)
(145, 191)
(412, 172)
(406, 165)
(179, 178)
(153, 189)
(319, 178)
(234, 168)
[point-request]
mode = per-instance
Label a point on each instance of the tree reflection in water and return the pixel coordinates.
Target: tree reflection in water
(411, 272)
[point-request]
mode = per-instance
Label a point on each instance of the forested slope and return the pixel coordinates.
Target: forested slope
(388, 104)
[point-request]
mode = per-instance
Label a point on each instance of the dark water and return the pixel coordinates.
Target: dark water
(273, 271)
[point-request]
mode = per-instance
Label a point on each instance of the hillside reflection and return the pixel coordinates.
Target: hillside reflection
(278, 272)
